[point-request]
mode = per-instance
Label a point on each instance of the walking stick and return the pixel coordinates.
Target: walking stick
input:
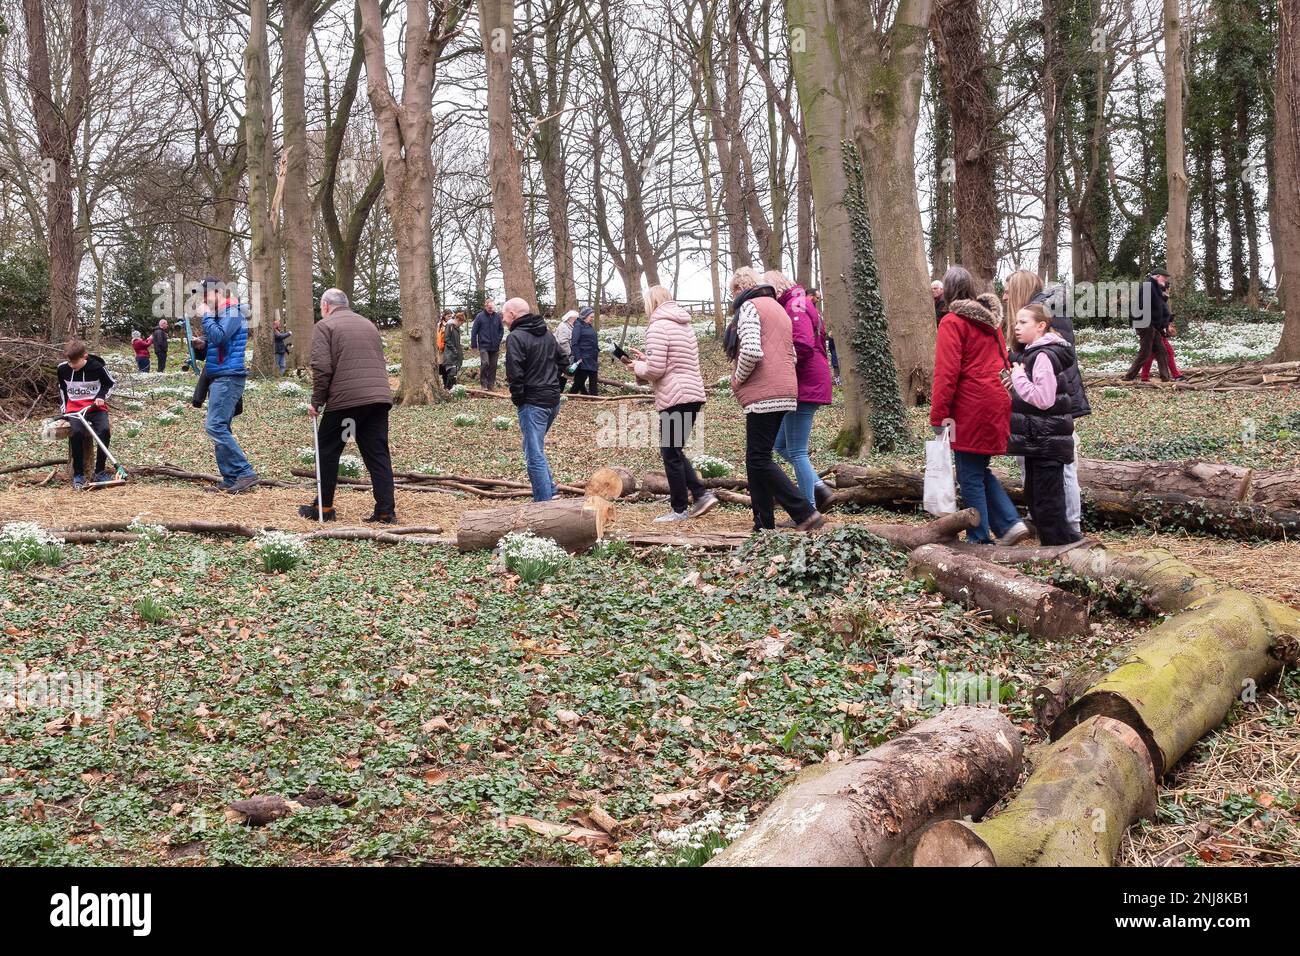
(315, 438)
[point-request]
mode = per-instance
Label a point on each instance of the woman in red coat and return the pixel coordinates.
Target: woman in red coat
(969, 399)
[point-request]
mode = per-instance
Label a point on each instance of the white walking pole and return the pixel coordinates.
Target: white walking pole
(315, 437)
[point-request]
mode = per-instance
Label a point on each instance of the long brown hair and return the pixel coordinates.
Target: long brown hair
(1022, 285)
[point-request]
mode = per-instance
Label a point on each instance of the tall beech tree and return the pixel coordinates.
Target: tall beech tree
(405, 146)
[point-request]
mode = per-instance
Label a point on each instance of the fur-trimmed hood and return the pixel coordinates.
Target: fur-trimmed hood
(984, 310)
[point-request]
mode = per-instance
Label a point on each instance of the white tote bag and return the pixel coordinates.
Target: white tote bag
(940, 479)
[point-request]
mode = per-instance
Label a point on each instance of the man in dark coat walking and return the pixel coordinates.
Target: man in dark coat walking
(485, 335)
(160, 344)
(349, 377)
(1150, 321)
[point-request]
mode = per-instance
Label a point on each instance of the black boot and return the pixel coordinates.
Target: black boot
(309, 512)
(822, 495)
(382, 517)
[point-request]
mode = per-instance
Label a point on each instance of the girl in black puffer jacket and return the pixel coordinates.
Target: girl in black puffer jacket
(1042, 423)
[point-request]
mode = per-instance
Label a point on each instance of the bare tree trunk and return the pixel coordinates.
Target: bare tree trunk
(265, 252)
(56, 129)
(345, 239)
(959, 45)
(1249, 210)
(297, 202)
(1286, 146)
(1176, 251)
(1049, 264)
(884, 85)
(405, 135)
(505, 164)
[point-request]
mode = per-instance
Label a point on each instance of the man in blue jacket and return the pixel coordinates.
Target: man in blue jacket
(225, 326)
(485, 335)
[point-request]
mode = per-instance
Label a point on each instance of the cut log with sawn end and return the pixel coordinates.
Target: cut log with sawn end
(1072, 811)
(869, 811)
(575, 524)
(1016, 600)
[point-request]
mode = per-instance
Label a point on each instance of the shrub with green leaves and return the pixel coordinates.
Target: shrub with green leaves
(464, 421)
(292, 389)
(501, 423)
(279, 551)
(459, 391)
(168, 418)
(132, 427)
(821, 562)
(530, 557)
(707, 466)
(25, 543)
(303, 408)
(306, 456)
(350, 466)
(149, 533)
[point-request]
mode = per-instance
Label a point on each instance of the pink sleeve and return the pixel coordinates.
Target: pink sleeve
(1041, 391)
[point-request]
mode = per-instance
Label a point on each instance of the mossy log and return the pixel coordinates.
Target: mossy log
(1180, 682)
(868, 811)
(1072, 811)
(1016, 600)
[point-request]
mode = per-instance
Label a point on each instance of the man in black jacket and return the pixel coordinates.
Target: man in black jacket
(1151, 321)
(160, 344)
(485, 335)
(533, 372)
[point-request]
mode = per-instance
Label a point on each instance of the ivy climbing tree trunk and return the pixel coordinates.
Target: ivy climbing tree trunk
(883, 60)
(871, 390)
(1286, 152)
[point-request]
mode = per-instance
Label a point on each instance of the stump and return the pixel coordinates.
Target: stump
(611, 482)
(575, 524)
(1072, 811)
(1017, 601)
(868, 811)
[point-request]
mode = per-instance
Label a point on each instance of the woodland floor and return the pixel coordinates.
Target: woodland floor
(623, 681)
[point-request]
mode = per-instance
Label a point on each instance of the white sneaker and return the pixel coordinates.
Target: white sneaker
(672, 516)
(1013, 535)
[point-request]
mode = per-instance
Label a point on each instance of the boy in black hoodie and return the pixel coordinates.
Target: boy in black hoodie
(85, 384)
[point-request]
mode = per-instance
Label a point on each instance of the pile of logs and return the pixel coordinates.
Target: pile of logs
(917, 798)
(1236, 377)
(28, 379)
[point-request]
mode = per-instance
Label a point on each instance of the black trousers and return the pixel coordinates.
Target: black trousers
(367, 425)
(769, 485)
(584, 382)
(162, 360)
(487, 368)
(675, 425)
(1045, 492)
(98, 421)
(1148, 346)
(449, 373)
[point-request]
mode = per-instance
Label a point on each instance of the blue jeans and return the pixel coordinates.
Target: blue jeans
(983, 492)
(224, 392)
(792, 445)
(279, 361)
(534, 422)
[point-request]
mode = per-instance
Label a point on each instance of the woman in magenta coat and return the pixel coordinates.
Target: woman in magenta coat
(971, 402)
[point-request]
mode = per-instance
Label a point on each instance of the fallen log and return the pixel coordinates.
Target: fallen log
(908, 537)
(1172, 510)
(857, 484)
(1181, 681)
(1016, 601)
(611, 482)
(656, 483)
(1072, 811)
(868, 811)
(26, 466)
(575, 525)
(1199, 479)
